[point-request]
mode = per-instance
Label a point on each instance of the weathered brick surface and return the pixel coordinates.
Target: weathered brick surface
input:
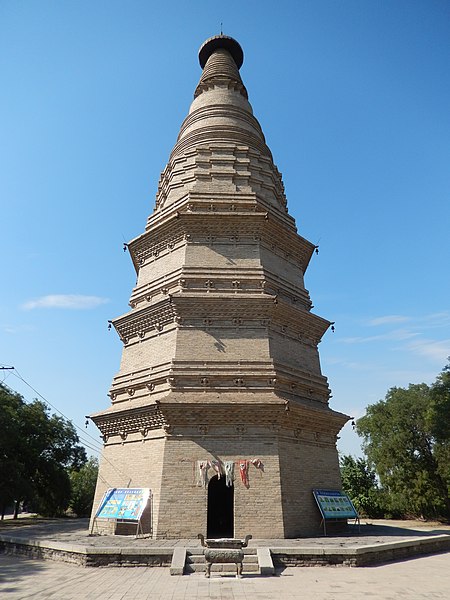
(257, 508)
(137, 464)
(305, 467)
(220, 357)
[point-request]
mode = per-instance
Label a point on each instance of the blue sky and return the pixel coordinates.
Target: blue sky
(354, 101)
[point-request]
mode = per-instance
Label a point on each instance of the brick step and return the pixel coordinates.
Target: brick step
(199, 558)
(195, 563)
(220, 568)
(199, 551)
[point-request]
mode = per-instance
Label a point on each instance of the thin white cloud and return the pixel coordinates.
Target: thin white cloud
(440, 319)
(433, 349)
(415, 327)
(384, 371)
(395, 335)
(66, 301)
(349, 364)
(388, 320)
(14, 329)
(427, 321)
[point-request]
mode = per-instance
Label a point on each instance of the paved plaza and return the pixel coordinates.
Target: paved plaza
(76, 532)
(421, 578)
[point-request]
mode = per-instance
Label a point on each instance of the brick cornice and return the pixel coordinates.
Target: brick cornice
(172, 414)
(211, 225)
(203, 310)
(139, 322)
(128, 421)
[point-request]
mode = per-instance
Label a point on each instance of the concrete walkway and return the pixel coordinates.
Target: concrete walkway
(424, 578)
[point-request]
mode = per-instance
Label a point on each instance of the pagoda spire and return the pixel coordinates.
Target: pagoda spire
(220, 141)
(220, 58)
(221, 42)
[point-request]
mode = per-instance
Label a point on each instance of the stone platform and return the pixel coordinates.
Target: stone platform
(375, 542)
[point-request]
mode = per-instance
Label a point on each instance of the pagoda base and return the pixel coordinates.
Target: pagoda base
(275, 502)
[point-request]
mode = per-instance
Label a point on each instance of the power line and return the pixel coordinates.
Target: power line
(99, 449)
(86, 442)
(19, 376)
(7, 372)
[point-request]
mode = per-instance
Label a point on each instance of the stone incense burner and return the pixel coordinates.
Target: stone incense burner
(224, 550)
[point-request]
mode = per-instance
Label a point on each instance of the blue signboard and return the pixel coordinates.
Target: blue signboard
(334, 505)
(123, 503)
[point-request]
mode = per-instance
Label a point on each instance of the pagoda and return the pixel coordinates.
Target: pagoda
(220, 406)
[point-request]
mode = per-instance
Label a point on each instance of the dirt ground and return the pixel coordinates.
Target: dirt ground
(408, 523)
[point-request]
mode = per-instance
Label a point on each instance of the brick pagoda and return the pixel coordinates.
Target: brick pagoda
(220, 367)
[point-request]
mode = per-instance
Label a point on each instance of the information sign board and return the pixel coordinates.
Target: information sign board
(335, 505)
(123, 504)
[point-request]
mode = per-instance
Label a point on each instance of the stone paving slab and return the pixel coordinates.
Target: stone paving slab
(426, 578)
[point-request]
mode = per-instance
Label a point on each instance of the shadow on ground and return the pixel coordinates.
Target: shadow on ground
(42, 527)
(377, 530)
(14, 569)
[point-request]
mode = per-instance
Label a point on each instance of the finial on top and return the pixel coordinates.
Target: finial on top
(221, 41)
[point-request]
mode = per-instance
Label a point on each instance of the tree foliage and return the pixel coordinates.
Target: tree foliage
(36, 451)
(359, 482)
(83, 484)
(14, 482)
(440, 407)
(406, 438)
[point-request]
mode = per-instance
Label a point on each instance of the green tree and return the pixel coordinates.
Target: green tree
(401, 443)
(359, 482)
(14, 482)
(83, 484)
(440, 422)
(36, 453)
(440, 406)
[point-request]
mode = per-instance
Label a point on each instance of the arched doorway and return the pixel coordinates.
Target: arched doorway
(220, 509)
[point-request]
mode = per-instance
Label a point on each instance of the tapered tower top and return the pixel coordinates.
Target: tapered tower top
(221, 41)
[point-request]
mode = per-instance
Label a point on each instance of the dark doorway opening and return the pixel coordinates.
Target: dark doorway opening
(220, 509)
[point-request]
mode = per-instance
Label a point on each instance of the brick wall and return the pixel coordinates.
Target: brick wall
(305, 465)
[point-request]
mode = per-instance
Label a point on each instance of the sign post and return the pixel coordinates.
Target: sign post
(334, 506)
(122, 505)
